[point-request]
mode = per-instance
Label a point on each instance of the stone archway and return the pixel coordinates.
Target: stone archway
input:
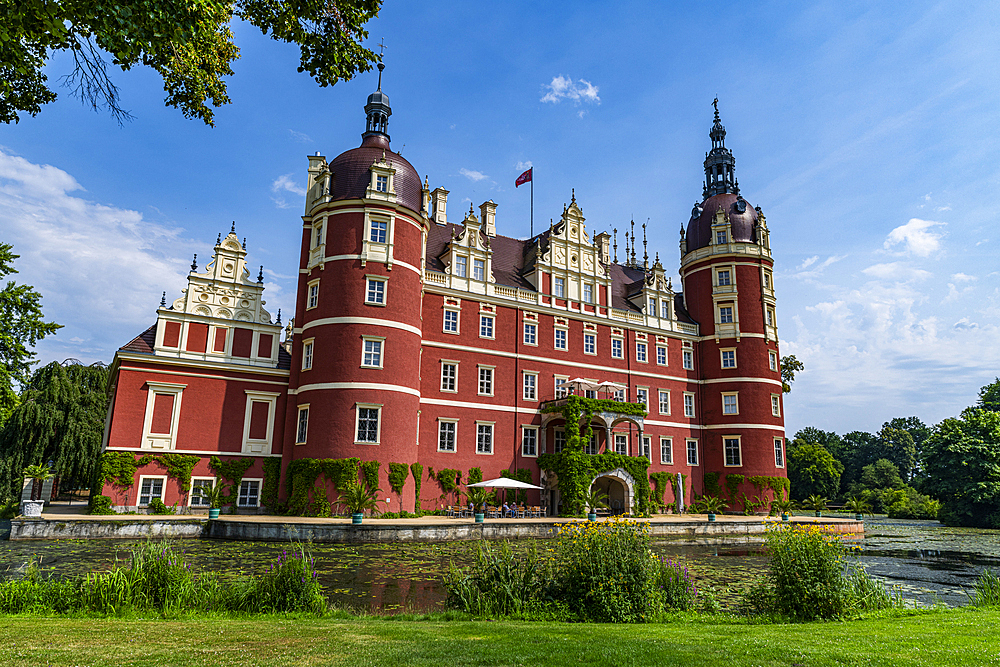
(619, 485)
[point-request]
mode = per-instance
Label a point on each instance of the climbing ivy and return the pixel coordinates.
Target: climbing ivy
(475, 476)
(779, 485)
(302, 475)
(448, 479)
(370, 470)
(712, 487)
(732, 484)
(232, 470)
(179, 466)
(397, 477)
(119, 468)
(417, 470)
(579, 405)
(661, 481)
(272, 480)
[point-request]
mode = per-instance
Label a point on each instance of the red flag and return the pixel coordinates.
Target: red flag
(523, 178)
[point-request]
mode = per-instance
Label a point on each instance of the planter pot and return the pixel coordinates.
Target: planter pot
(479, 517)
(859, 517)
(592, 516)
(213, 513)
(784, 517)
(32, 508)
(356, 518)
(711, 517)
(819, 513)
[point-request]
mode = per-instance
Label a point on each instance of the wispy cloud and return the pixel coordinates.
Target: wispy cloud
(300, 137)
(809, 269)
(564, 88)
(897, 271)
(521, 166)
(472, 175)
(283, 184)
(916, 237)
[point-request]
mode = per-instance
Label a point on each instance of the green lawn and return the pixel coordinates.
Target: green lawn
(944, 637)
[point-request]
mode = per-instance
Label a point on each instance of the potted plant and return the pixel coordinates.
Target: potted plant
(478, 497)
(784, 507)
(213, 495)
(859, 506)
(359, 499)
(816, 503)
(712, 505)
(594, 500)
(38, 474)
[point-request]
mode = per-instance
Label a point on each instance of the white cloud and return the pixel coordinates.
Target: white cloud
(964, 323)
(962, 277)
(300, 137)
(472, 175)
(564, 88)
(814, 269)
(896, 271)
(523, 166)
(807, 262)
(916, 238)
(284, 184)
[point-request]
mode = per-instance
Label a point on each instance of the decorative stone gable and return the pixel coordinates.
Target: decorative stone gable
(468, 257)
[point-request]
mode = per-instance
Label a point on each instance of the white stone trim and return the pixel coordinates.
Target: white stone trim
(376, 386)
(259, 446)
(374, 321)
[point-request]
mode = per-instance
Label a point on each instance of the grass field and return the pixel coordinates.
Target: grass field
(938, 637)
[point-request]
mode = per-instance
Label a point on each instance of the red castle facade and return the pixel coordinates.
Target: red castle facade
(416, 339)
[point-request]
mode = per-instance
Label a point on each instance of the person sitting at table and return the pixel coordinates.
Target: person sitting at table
(506, 510)
(472, 508)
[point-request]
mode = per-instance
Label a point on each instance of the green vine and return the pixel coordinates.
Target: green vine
(119, 468)
(779, 485)
(661, 482)
(580, 405)
(712, 487)
(732, 484)
(272, 481)
(303, 473)
(417, 470)
(521, 475)
(179, 466)
(475, 476)
(397, 477)
(370, 470)
(232, 470)
(448, 479)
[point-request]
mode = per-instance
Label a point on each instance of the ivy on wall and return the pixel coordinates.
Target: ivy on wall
(272, 481)
(398, 473)
(475, 476)
(661, 482)
(712, 487)
(303, 474)
(779, 485)
(733, 482)
(233, 471)
(119, 468)
(417, 470)
(448, 478)
(370, 470)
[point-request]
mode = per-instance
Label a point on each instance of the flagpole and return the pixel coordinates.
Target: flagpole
(531, 229)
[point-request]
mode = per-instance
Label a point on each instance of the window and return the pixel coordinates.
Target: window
(767, 280)
(484, 438)
(588, 293)
(449, 376)
(770, 317)
(318, 236)
(589, 343)
(560, 339)
(530, 392)
(378, 233)
(560, 440)
(149, 488)
(451, 321)
(529, 441)
(561, 391)
(775, 405)
(461, 266)
(258, 421)
(195, 498)
(307, 354)
(661, 355)
(485, 381)
(485, 326)
(666, 451)
(530, 334)
(731, 444)
(664, 308)
(642, 396)
(724, 277)
(249, 493)
(619, 395)
(720, 236)
(313, 299)
(688, 405)
(779, 453)
(640, 352)
(621, 443)
(446, 435)
(478, 269)
(616, 348)
(692, 452)
(652, 307)
(590, 393)
(726, 314)
(688, 360)
(559, 287)
(729, 358)
(303, 425)
(772, 358)
(647, 449)
(376, 291)
(381, 183)
(664, 402)
(730, 406)
(163, 409)
(372, 356)
(590, 447)
(368, 424)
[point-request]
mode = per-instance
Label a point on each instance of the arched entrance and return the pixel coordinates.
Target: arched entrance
(619, 487)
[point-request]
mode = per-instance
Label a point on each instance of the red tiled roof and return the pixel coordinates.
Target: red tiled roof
(143, 343)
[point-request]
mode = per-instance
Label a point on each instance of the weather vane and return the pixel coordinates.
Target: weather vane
(381, 47)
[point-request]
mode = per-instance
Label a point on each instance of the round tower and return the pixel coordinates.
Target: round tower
(727, 272)
(354, 383)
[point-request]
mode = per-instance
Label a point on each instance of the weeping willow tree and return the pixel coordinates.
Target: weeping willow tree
(59, 420)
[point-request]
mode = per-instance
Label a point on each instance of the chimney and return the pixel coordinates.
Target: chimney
(488, 216)
(603, 243)
(439, 202)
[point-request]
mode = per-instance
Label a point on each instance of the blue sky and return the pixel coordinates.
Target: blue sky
(867, 133)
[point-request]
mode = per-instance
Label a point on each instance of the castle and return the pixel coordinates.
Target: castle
(417, 339)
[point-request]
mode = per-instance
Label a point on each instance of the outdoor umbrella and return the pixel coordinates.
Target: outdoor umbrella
(504, 483)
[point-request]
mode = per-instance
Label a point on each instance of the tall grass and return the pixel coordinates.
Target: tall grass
(499, 583)
(987, 590)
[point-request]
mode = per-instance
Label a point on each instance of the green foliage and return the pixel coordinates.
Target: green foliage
(475, 475)
(449, 481)
(575, 406)
(733, 482)
(813, 470)
(119, 468)
(232, 470)
(359, 498)
(214, 494)
(302, 475)
(828, 439)
(272, 482)
(789, 367)
(499, 583)
(479, 497)
(398, 472)
(908, 503)
(9, 507)
(782, 506)
(661, 482)
(320, 504)
(712, 487)
(709, 505)
(37, 474)
(595, 499)
(179, 466)
(857, 505)
(883, 474)
(189, 45)
(989, 397)
(779, 486)
(417, 470)
(370, 473)
(987, 590)
(815, 502)
(900, 448)
(521, 475)
(157, 506)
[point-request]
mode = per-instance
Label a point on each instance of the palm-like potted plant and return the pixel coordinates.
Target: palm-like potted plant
(816, 503)
(38, 474)
(478, 497)
(594, 499)
(859, 506)
(783, 506)
(213, 495)
(359, 499)
(712, 505)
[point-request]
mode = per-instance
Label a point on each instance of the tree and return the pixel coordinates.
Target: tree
(883, 474)
(829, 440)
(60, 421)
(789, 367)
(189, 44)
(989, 397)
(898, 447)
(962, 461)
(813, 471)
(858, 450)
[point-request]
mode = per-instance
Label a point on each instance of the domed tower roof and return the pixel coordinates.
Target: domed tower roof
(350, 169)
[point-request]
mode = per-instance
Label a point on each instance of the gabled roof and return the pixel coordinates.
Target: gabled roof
(143, 343)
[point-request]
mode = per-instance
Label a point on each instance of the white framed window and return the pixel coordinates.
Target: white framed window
(692, 451)
(772, 359)
(258, 421)
(661, 355)
(308, 345)
(730, 403)
(478, 269)
(726, 313)
(378, 231)
(617, 345)
(666, 451)
(642, 396)
(530, 387)
(530, 334)
(559, 287)
(150, 487)
(163, 411)
(720, 236)
(461, 266)
(447, 434)
(486, 380)
(589, 343)
(368, 424)
(640, 352)
(451, 321)
(776, 405)
(731, 447)
(529, 441)
(317, 235)
(559, 440)
(724, 277)
(664, 401)
(770, 317)
(728, 357)
(560, 381)
(484, 437)
(375, 294)
(652, 307)
(779, 453)
(560, 339)
(647, 448)
(249, 493)
(381, 183)
(195, 498)
(588, 293)
(688, 404)
(590, 447)
(449, 376)
(664, 308)
(302, 425)
(621, 443)
(688, 359)
(371, 355)
(618, 395)
(312, 300)
(486, 326)
(767, 280)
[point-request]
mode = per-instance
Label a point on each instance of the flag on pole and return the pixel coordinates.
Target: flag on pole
(523, 178)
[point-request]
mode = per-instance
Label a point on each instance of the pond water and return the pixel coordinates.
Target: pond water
(929, 562)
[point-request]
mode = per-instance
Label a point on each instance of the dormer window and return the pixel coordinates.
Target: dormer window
(724, 275)
(378, 231)
(461, 266)
(720, 237)
(381, 183)
(478, 269)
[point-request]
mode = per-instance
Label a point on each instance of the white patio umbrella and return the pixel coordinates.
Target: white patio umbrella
(610, 386)
(504, 483)
(580, 384)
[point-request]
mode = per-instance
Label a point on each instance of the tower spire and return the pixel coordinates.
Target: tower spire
(377, 110)
(645, 255)
(615, 230)
(720, 165)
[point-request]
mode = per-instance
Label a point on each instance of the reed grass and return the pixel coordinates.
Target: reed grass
(987, 590)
